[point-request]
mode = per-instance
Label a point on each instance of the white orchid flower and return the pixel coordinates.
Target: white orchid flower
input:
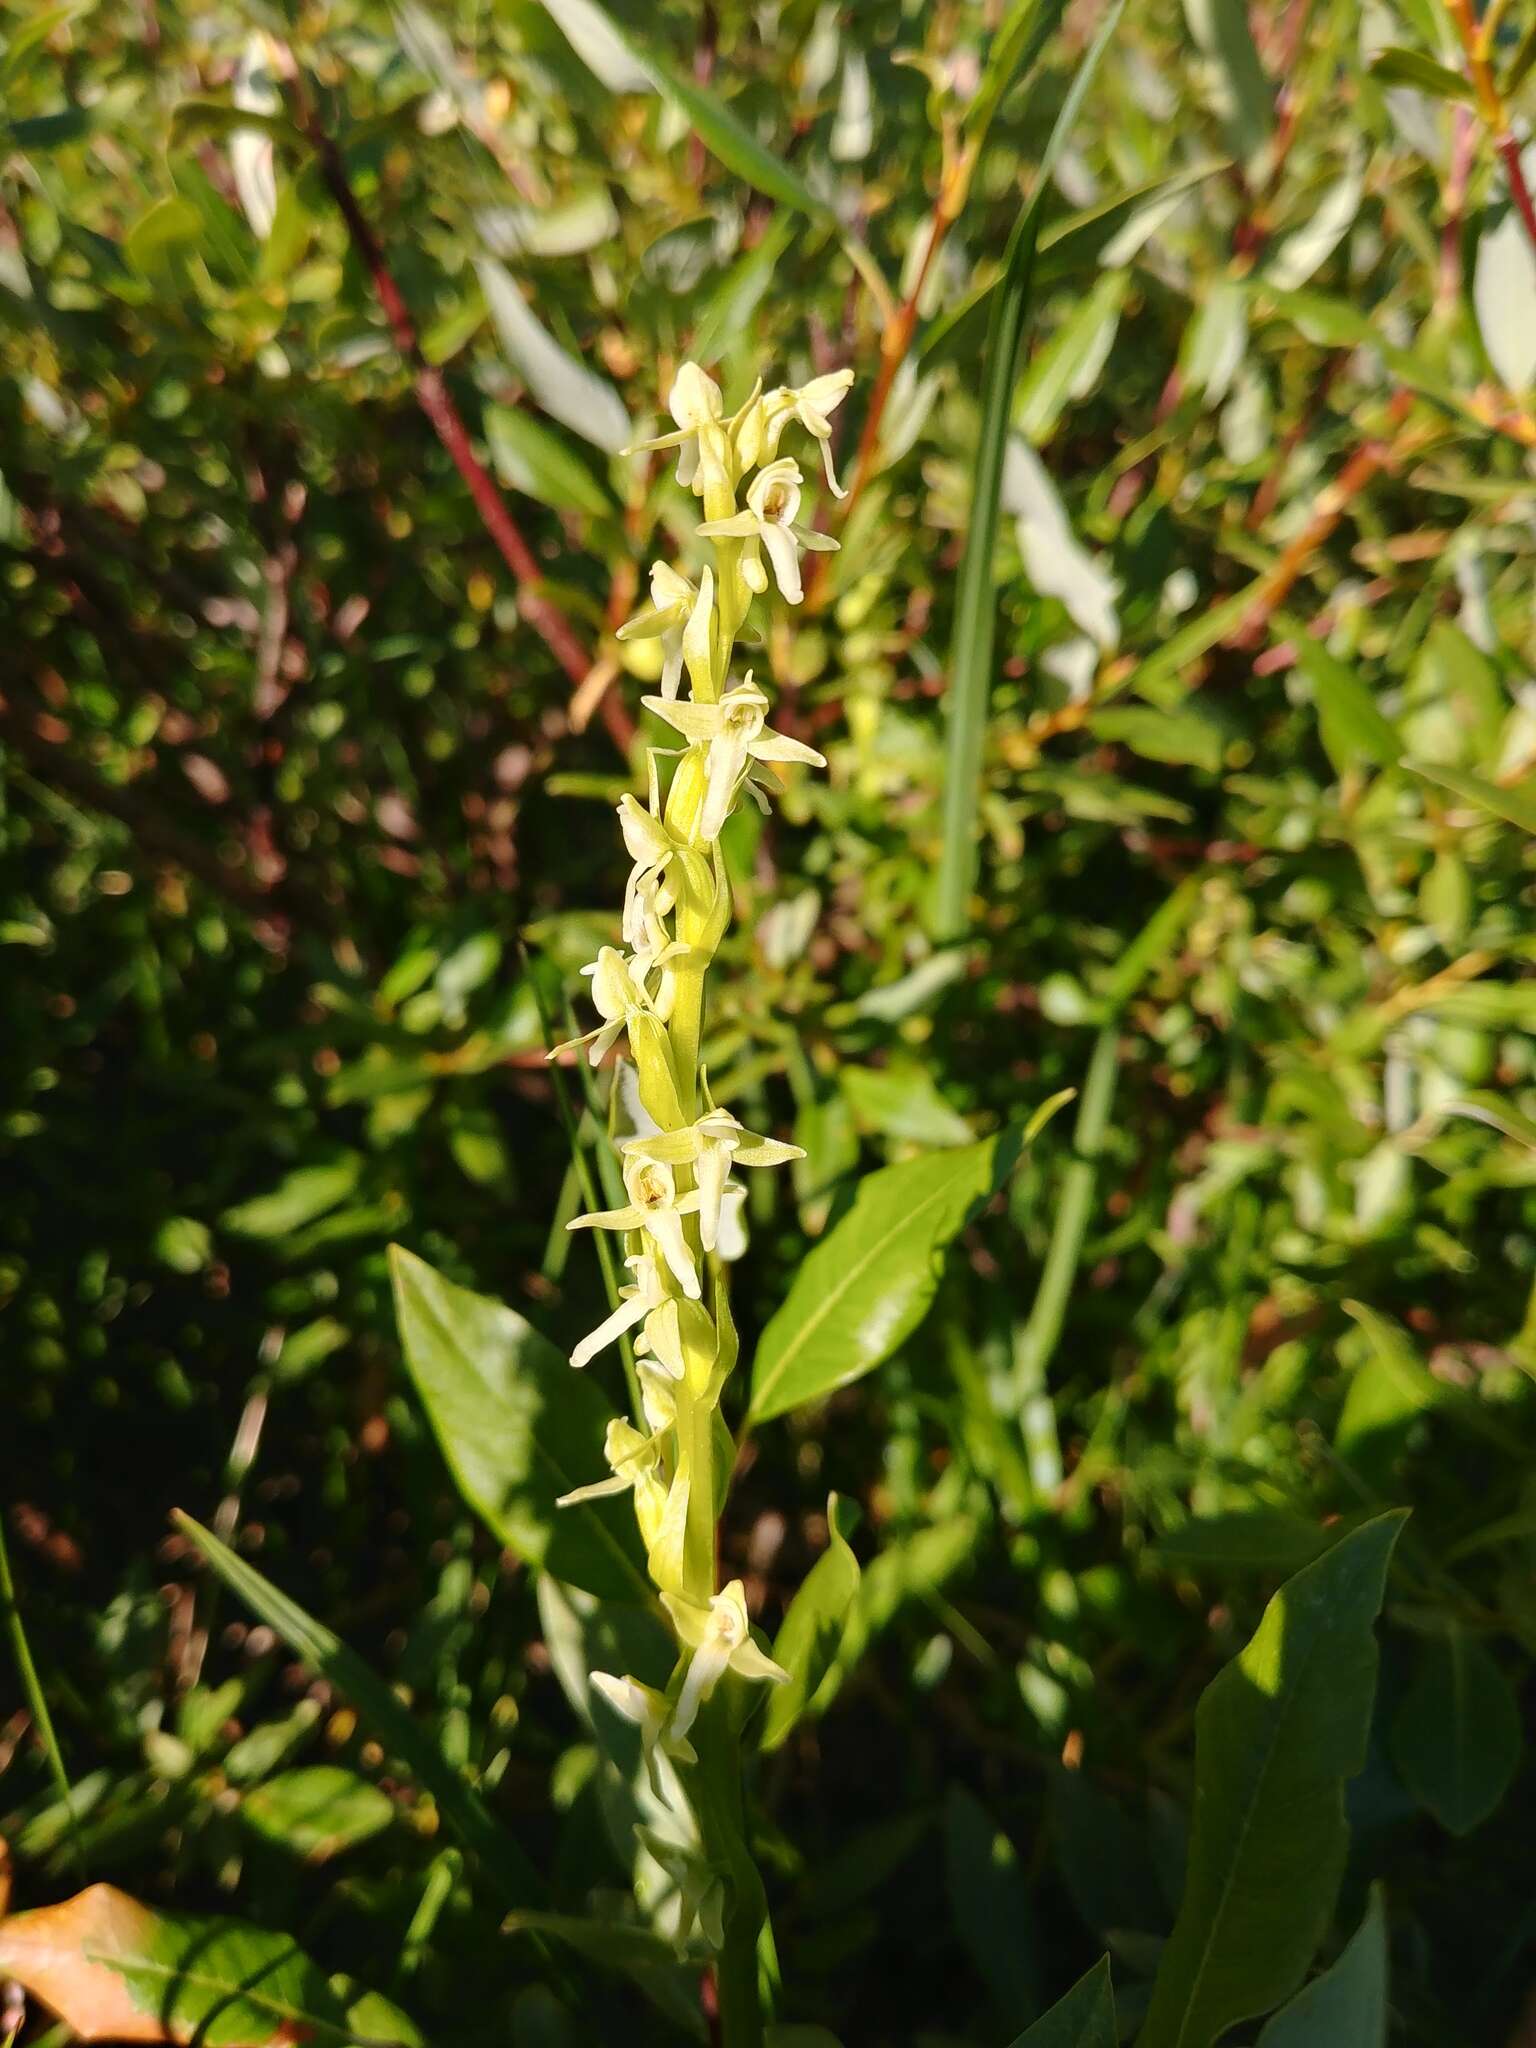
(712, 1145)
(735, 732)
(635, 1304)
(731, 1237)
(650, 891)
(810, 405)
(634, 1460)
(649, 1711)
(680, 617)
(619, 992)
(658, 1209)
(721, 1641)
(696, 405)
(773, 501)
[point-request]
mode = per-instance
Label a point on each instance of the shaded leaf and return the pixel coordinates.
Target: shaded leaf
(1085, 2018)
(1457, 1736)
(1345, 2007)
(990, 1903)
(377, 1705)
(1277, 1737)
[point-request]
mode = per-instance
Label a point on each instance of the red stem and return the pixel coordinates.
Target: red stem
(436, 401)
(1520, 192)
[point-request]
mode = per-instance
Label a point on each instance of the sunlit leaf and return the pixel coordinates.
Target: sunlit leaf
(116, 1970)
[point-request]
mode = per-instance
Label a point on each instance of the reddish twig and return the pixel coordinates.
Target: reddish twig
(436, 401)
(1333, 501)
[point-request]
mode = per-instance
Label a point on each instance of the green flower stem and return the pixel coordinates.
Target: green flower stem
(1073, 1209)
(718, 1803)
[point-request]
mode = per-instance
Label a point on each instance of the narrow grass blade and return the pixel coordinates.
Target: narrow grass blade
(1074, 1203)
(970, 668)
(462, 1807)
(31, 1685)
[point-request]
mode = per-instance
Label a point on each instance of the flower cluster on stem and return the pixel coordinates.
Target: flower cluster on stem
(678, 1173)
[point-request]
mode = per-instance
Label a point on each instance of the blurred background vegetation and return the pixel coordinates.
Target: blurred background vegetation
(308, 759)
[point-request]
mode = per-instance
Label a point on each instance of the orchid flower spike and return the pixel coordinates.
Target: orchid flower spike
(712, 1145)
(658, 1209)
(619, 992)
(735, 732)
(696, 405)
(680, 617)
(773, 502)
(810, 405)
(721, 1640)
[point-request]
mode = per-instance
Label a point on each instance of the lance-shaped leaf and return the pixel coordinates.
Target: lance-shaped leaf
(1278, 1735)
(812, 1633)
(1085, 2018)
(518, 1429)
(1456, 1738)
(116, 1970)
(1517, 805)
(869, 1282)
(1346, 2007)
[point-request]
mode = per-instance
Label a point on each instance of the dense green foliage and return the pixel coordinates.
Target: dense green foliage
(307, 830)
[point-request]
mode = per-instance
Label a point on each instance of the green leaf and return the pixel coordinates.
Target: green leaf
(1345, 2007)
(1188, 738)
(1517, 806)
(1066, 249)
(1278, 1735)
(1085, 2018)
(990, 1902)
(811, 1633)
(518, 1428)
(560, 383)
(30, 35)
(532, 459)
(1069, 365)
(904, 1102)
(714, 123)
(116, 1970)
(513, 1875)
(1457, 1736)
(975, 628)
(646, 1958)
(1353, 729)
(1246, 99)
(868, 1284)
(317, 1811)
(1388, 1392)
(1242, 1539)
(301, 1196)
(1020, 38)
(1423, 74)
